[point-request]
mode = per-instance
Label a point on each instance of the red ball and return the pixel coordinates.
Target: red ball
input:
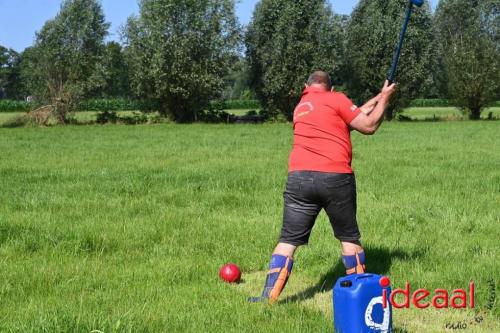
(230, 273)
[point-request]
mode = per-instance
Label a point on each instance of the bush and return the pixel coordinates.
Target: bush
(215, 113)
(113, 118)
(134, 119)
(107, 117)
(109, 105)
(7, 105)
(117, 104)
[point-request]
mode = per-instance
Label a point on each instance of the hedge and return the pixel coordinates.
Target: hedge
(111, 105)
(132, 105)
(7, 105)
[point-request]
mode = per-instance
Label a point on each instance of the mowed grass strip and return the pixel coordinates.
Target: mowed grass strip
(124, 228)
(445, 113)
(415, 114)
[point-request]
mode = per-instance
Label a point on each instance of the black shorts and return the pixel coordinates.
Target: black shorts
(307, 192)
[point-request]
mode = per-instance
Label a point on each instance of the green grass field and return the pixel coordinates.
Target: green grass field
(445, 113)
(124, 228)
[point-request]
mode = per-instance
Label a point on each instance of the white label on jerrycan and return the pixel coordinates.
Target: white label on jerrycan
(382, 327)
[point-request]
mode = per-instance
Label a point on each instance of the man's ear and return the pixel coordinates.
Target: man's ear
(333, 89)
(305, 85)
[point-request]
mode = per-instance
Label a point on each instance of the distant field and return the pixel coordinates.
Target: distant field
(434, 113)
(240, 112)
(430, 114)
(445, 113)
(124, 228)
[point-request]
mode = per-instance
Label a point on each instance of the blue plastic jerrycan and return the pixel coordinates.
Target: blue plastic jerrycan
(358, 305)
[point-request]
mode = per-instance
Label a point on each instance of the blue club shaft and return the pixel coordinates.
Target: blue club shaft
(395, 60)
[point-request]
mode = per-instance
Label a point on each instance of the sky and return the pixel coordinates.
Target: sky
(20, 19)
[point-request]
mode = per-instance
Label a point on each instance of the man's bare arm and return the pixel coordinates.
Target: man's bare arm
(368, 107)
(369, 123)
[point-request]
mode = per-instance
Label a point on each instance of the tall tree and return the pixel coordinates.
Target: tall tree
(237, 81)
(10, 81)
(469, 52)
(65, 64)
(372, 34)
(116, 72)
(286, 41)
(179, 52)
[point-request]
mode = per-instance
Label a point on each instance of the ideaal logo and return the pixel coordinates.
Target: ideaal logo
(460, 299)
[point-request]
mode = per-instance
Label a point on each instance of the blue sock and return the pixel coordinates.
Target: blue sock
(354, 264)
(280, 268)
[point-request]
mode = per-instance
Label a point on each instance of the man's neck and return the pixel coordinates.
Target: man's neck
(318, 86)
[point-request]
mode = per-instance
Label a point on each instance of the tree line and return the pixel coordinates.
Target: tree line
(181, 56)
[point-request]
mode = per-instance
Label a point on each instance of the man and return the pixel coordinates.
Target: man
(320, 176)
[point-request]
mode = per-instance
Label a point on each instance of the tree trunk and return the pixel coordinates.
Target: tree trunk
(163, 109)
(389, 114)
(183, 116)
(475, 113)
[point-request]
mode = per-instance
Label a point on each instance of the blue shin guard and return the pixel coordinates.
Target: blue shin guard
(354, 264)
(280, 268)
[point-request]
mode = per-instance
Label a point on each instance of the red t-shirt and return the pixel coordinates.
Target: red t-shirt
(322, 138)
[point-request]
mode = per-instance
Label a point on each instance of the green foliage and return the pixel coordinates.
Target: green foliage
(426, 103)
(64, 66)
(237, 82)
(116, 104)
(469, 48)
(372, 36)
(116, 72)
(286, 41)
(180, 51)
(11, 106)
(10, 71)
(215, 113)
(107, 117)
(113, 118)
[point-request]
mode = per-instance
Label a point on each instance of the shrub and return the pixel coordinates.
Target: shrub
(7, 105)
(215, 113)
(134, 119)
(116, 104)
(113, 118)
(107, 117)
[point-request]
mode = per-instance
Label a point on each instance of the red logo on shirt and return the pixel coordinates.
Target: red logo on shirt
(303, 109)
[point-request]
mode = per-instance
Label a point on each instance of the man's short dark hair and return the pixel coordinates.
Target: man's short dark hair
(320, 77)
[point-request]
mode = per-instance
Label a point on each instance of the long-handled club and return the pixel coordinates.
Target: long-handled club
(395, 60)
